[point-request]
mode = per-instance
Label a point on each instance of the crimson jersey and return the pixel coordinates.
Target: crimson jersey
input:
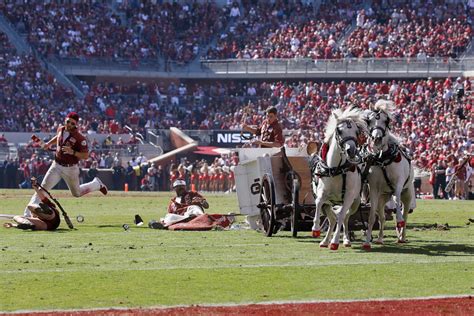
(179, 204)
(75, 140)
(270, 132)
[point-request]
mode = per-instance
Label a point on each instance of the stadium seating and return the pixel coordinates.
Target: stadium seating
(33, 101)
(178, 32)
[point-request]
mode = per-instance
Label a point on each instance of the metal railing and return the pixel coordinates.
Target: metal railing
(390, 66)
(401, 67)
(124, 64)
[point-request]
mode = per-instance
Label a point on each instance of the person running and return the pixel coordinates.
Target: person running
(71, 146)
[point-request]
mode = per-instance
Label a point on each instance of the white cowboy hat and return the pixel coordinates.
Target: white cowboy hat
(178, 183)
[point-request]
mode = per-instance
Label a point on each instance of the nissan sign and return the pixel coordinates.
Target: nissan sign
(228, 139)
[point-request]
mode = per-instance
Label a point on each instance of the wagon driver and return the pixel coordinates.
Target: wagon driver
(270, 132)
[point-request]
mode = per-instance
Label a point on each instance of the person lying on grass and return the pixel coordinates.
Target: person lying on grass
(44, 215)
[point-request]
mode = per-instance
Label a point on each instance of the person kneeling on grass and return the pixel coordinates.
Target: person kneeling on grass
(185, 205)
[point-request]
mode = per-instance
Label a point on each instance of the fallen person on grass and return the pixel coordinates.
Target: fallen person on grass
(185, 205)
(44, 215)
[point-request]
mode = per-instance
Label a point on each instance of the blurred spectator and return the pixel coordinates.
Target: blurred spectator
(3, 140)
(145, 183)
(92, 172)
(118, 176)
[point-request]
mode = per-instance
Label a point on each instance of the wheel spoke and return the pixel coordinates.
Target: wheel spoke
(266, 210)
(264, 197)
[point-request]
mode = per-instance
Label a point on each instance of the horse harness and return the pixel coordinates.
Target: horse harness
(320, 169)
(392, 154)
(376, 115)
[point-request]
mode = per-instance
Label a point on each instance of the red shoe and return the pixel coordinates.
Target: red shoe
(334, 246)
(103, 187)
(366, 247)
(401, 224)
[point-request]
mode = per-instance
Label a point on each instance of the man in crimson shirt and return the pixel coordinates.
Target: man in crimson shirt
(71, 146)
(270, 132)
(184, 205)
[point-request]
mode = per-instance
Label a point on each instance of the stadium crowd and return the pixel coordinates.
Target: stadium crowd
(420, 29)
(139, 31)
(303, 106)
(413, 29)
(284, 30)
(176, 31)
(82, 29)
(33, 101)
(30, 97)
(138, 174)
(135, 30)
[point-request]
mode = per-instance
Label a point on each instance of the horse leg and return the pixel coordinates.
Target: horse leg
(340, 216)
(407, 199)
(399, 215)
(346, 238)
(411, 189)
(316, 229)
(374, 199)
(338, 223)
(332, 222)
(381, 216)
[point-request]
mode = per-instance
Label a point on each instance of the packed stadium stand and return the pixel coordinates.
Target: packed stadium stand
(143, 67)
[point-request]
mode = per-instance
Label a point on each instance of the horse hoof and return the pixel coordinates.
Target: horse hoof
(316, 233)
(323, 245)
(401, 241)
(348, 245)
(378, 242)
(334, 246)
(366, 247)
(401, 224)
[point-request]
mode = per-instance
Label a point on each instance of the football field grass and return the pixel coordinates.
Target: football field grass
(100, 265)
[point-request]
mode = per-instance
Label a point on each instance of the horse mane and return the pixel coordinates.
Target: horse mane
(337, 116)
(386, 106)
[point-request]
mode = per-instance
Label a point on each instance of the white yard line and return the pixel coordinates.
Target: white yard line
(229, 266)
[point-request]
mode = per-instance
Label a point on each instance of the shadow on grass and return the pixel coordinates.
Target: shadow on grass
(428, 226)
(413, 246)
(432, 249)
(64, 230)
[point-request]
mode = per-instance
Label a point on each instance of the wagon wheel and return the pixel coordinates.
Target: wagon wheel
(267, 209)
(295, 212)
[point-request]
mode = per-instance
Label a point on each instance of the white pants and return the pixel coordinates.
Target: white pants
(71, 176)
(192, 210)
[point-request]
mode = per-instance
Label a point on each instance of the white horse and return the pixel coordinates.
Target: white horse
(337, 175)
(391, 173)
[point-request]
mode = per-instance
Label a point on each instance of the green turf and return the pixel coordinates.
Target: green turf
(101, 265)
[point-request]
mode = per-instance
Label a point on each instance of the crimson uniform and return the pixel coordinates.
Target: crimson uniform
(75, 140)
(65, 166)
(270, 132)
(179, 204)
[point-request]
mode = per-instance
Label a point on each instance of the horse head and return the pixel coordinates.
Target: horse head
(378, 121)
(346, 136)
(346, 127)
